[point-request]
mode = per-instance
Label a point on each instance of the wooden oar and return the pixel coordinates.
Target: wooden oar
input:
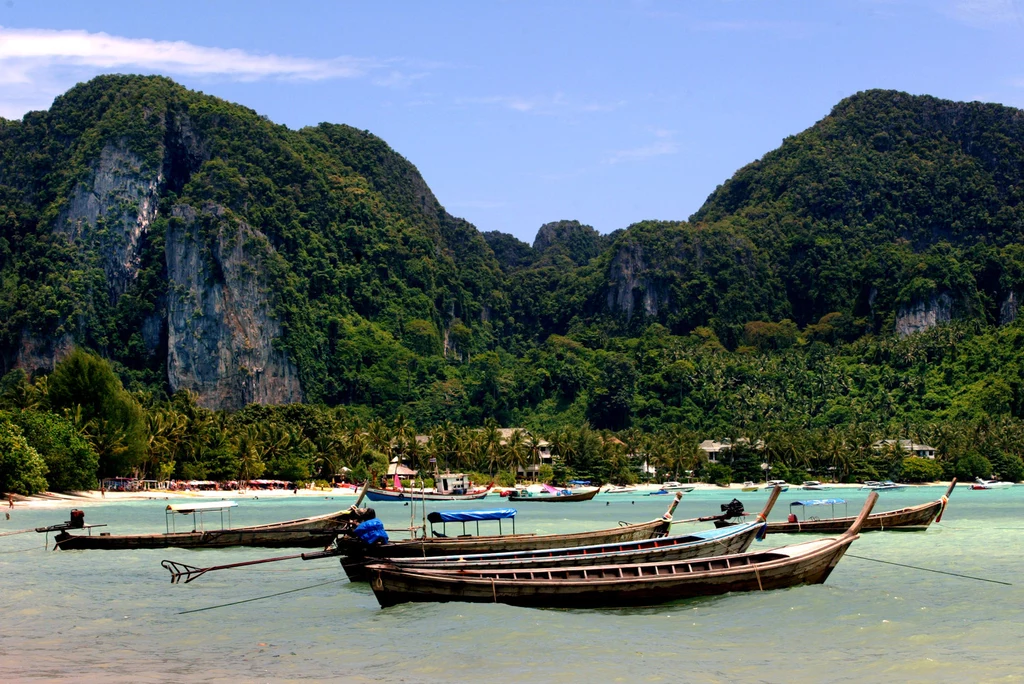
(190, 572)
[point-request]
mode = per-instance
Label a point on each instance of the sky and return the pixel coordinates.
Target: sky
(521, 113)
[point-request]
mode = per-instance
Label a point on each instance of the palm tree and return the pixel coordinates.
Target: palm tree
(515, 452)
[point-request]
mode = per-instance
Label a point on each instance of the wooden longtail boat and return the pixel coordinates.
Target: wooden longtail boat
(411, 495)
(356, 554)
(912, 518)
(715, 542)
(620, 585)
(311, 532)
(563, 498)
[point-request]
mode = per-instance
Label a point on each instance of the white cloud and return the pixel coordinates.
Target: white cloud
(38, 64)
(542, 104)
(986, 13)
(663, 144)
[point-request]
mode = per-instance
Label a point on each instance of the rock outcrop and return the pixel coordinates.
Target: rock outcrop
(629, 285)
(111, 212)
(924, 314)
(220, 329)
(1010, 308)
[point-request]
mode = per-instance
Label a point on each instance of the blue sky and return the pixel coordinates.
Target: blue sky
(519, 113)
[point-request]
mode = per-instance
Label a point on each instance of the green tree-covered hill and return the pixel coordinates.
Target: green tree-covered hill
(199, 246)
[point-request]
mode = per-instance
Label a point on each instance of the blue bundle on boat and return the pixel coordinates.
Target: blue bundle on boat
(371, 532)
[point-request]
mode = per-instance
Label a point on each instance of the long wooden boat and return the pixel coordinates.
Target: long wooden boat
(563, 498)
(912, 518)
(356, 554)
(714, 542)
(407, 495)
(318, 531)
(619, 584)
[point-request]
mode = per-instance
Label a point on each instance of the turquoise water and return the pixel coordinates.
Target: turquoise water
(114, 616)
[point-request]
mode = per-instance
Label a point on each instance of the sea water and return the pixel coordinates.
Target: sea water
(114, 616)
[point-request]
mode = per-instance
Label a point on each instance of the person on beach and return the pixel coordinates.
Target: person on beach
(10, 501)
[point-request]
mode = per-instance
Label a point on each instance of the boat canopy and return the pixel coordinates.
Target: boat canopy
(579, 482)
(470, 516)
(189, 508)
(818, 502)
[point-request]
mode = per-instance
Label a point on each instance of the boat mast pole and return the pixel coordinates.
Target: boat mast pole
(423, 505)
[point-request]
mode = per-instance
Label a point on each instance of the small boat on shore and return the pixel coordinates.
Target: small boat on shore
(677, 487)
(749, 486)
(814, 486)
(884, 486)
(619, 489)
(614, 585)
(318, 531)
(356, 553)
(990, 484)
(549, 493)
(912, 518)
(779, 484)
(450, 487)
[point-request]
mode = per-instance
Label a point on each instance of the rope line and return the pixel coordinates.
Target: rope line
(260, 598)
(941, 572)
(8, 534)
(33, 548)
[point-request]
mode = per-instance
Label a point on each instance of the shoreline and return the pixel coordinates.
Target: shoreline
(85, 498)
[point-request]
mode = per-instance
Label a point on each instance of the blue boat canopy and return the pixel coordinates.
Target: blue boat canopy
(579, 482)
(818, 502)
(470, 516)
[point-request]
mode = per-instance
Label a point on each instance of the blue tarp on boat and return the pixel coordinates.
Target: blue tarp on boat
(371, 532)
(470, 516)
(818, 502)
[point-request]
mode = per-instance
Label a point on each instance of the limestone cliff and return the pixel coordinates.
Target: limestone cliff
(630, 286)
(221, 332)
(111, 212)
(1010, 308)
(924, 314)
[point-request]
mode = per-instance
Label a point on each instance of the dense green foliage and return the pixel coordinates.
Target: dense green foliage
(770, 315)
(22, 470)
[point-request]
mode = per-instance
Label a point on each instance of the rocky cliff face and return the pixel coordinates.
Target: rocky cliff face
(111, 213)
(924, 314)
(630, 286)
(1010, 308)
(221, 331)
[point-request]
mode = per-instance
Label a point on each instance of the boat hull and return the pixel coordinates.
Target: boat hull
(915, 518)
(564, 498)
(614, 585)
(357, 556)
(388, 495)
(314, 532)
(681, 547)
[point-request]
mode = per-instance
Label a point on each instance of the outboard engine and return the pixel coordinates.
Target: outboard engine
(77, 520)
(733, 509)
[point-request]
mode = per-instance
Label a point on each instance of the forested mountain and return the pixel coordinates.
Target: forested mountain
(201, 247)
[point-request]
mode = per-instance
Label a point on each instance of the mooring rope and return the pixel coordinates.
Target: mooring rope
(941, 572)
(8, 534)
(260, 598)
(32, 548)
